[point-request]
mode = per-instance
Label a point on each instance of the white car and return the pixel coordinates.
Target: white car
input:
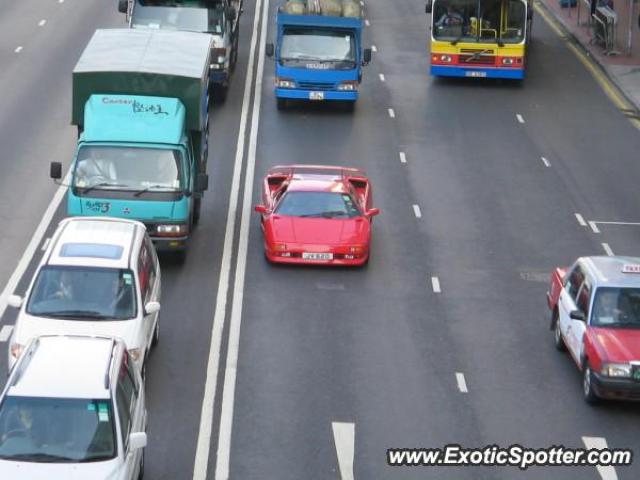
(99, 276)
(73, 408)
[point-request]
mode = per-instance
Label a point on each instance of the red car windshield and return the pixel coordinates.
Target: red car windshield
(318, 205)
(616, 307)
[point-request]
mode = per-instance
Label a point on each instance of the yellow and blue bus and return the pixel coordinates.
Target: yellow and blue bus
(480, 38)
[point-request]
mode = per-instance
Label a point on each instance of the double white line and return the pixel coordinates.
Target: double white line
(228, 394)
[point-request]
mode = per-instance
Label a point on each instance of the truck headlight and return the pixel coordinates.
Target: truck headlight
(174, 230)
(285, 83)
(619, 370)
(348, 86)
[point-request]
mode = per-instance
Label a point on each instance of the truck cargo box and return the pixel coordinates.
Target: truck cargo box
(145, 62)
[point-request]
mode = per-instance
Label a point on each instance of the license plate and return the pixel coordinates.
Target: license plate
(475, 74)
(316, 95)
(317, 256)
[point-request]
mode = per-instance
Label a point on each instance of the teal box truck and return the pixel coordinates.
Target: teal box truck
(140, 102)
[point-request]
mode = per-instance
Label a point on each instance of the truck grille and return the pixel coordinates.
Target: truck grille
(317, 85)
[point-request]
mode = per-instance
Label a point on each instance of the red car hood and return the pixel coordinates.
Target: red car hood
(323, 231)
(620, 345)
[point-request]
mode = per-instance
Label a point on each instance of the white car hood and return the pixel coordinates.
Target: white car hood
(60, 471)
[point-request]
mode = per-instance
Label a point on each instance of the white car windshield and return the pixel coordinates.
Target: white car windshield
(56, 430)
(83, 293)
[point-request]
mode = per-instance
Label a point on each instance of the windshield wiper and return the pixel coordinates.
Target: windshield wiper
(101, 184)
(39, 457)
(74, 314)
(146, 189)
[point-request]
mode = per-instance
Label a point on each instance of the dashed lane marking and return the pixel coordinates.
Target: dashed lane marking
(42, 22)
(594, 227)
(403, 157)
(600, 443)
(580, 220)
(382, 77)
(545, 161)
(18, 49)
(5, 332)
(416, 211)
(519, 117)
(435, 285)
(374, 48)
(392, 113)
(607, 249)
(462, 383)
(344, 435)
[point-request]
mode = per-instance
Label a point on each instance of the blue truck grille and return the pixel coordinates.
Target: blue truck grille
(317, 85)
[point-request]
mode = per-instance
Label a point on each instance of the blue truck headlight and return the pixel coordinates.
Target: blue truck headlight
(285, 83)
(173, 230)
(348, 85)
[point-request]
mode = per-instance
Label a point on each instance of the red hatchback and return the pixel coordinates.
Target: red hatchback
(317, 215)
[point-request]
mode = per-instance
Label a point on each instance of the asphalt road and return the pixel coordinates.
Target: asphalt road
(374, 347)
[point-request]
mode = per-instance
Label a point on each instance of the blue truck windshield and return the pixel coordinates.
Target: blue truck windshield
(310, 47)
(499, 21)
(128, 169)
(191, 16)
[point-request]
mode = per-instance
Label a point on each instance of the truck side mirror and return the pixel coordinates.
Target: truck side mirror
(123, 6)
(577, 315)
(366, 57)
(202, 182)
(55, 170)
(269, 49)
(427, 7)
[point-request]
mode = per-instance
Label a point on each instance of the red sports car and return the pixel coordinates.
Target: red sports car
(317, 215)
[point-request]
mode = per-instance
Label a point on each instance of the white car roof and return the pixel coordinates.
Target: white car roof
(64, 367)
(617, 271)
(90, 241)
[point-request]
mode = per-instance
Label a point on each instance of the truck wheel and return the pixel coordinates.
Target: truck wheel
(281, 103)
(197, 205)
(587, 384)
(557, 333)
(156, 335)
(221, 92)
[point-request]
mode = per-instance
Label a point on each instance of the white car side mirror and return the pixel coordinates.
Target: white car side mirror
(137, 441)
(14, 301)
(151, 307)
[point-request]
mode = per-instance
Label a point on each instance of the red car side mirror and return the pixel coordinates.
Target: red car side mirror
(261, 209)
(372, 212)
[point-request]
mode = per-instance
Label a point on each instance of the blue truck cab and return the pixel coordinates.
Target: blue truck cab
(318, 57)
(139, 155)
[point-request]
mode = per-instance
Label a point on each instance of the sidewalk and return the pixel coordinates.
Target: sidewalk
(623, 69)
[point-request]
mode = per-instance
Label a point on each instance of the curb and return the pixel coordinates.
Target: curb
(634, 108)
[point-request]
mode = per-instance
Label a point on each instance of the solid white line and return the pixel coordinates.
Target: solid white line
(374, 48)
(435, 285)
(599, 443)
(607, 249)
(580, 219)
(403, 157)
(24, 261)
(18, 49)
(392, 114)
(42, 22)
(233, 346)
(5, 333)
(344, 435)
(367, 23)
(519, 117)
(546, 162)
(462, 384)
(594, 227)
(619, 223)
(416, 211)
(206, 414)
(382, 77)
(46, 243)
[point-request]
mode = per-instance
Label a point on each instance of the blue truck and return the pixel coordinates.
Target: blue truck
(318, 57)
(140, 102)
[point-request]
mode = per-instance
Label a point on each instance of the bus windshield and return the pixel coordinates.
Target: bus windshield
(479, 21)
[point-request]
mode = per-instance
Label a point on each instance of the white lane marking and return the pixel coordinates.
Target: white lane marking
(381, 77)
(545, 161)
(435, 285)
(42, 22)
(580, 219)
(374, 48)
(594, 227)
(208, 400)
(607, 249)
(18, 49)
(46, 243)
(619, 223)
(392, 113)
(344, 435)
(24, 261)
(599, 443)
(462, 383)
(367, 23)
(416, 211)
(403, 157)
(519, 117)
(235, 321)
(5, 333)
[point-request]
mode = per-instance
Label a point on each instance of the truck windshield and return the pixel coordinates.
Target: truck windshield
(479, 21)
(193, 16)
(83, 292)
(309, 45)
(616, 307)
(128, 168)
(56, 430)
